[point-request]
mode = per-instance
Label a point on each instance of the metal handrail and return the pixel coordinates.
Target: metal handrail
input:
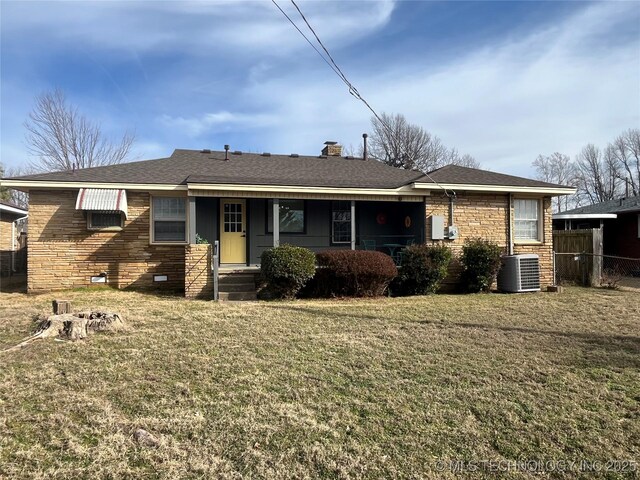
(215, 264)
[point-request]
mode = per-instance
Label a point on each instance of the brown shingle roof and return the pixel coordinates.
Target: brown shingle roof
(194, 166)
(472, 176)
(248, 168)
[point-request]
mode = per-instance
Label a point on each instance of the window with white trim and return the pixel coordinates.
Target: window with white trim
(104, 220)
(526, 219)
(341, 221)
(169, 219)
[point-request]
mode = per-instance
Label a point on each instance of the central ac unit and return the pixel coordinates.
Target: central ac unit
(519, 273)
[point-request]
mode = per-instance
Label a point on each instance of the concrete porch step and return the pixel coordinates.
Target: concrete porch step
(237, 296)
(236, 278)
(237, 287)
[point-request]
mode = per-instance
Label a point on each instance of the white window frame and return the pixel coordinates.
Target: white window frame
(333, 222)
(152, 221)
(539, 220)
(113, 228)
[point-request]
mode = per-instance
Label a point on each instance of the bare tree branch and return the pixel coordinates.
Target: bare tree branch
(401, 144)
(62, 138)
(14, 196)
(626, 151)
(559, 169)
(599, 173)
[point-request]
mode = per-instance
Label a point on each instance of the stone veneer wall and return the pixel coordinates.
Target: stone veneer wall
(5, 245)
(64, 254)
(198, 282)
(485, 216)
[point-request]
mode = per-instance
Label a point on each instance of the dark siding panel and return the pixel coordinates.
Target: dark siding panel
(318, 228)
(394, 230)
(626, 234)
(207, 218)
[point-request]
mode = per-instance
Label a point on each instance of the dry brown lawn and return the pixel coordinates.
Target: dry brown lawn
(333, 389)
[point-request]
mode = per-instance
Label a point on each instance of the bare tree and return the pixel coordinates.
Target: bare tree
(12, 195)
(559, 169)
(626, 151)
(598, 173)
(401, 144)
(466, 160)
(61, 138)
(5, 193)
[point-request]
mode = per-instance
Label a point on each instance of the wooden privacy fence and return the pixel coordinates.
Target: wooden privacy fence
(578, 256)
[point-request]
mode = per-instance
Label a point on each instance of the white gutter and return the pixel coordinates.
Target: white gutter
(495, 188)
(582, 216)
(19, 211)
(401, 191)
(35, 184)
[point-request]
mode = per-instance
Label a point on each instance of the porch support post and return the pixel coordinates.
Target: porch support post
(192, 220)
(353, 224)
(276, 222)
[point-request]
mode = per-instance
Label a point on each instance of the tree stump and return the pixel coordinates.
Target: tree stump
(71, 326)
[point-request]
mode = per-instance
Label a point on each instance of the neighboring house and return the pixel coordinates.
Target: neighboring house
(619, 219)
(135, 224)
(9, 235)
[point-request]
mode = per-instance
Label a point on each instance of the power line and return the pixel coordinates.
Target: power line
(338, 71)
(306, 38)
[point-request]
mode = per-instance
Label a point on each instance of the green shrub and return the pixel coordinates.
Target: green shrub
(480, 261)
(200, 240)
(285, 270)
(353, 273)
(423, 268)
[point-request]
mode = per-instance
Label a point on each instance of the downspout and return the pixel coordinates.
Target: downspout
(509, 223)
(451, 205)
(424, 216)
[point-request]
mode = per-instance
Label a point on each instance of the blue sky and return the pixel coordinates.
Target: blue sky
(503, 81)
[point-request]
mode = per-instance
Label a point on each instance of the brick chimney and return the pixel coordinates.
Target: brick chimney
(332, 149)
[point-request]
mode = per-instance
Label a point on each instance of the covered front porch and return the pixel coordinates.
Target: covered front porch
(246, 227)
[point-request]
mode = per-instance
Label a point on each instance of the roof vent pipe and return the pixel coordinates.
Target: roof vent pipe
(226, 152)
(364, 151)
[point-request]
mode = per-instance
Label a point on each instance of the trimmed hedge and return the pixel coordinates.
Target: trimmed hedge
(353, 273)
(480, 261)
(285, 270)
(423, 268)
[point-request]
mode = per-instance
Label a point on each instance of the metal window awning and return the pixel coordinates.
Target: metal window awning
(102, 199)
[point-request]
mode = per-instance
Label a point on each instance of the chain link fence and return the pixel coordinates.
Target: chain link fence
(588, 269)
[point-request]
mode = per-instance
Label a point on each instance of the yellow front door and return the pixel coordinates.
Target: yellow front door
(233, 236)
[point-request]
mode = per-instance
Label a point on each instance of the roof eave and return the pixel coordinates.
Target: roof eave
(399, 191)
(13, 210)
(495, 188)
(35, 184)
(582, 216)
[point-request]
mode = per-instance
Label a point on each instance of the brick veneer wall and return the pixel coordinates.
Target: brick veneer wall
(198, 282)
(486, 216)
(64, 254)
(5, 245)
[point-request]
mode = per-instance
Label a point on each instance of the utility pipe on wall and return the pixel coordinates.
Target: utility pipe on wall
(510, 223)
(353, 224)
(276, 222)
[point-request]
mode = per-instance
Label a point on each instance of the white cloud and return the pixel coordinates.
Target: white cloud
(220, 121)
(554, 90)
(192, 27)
